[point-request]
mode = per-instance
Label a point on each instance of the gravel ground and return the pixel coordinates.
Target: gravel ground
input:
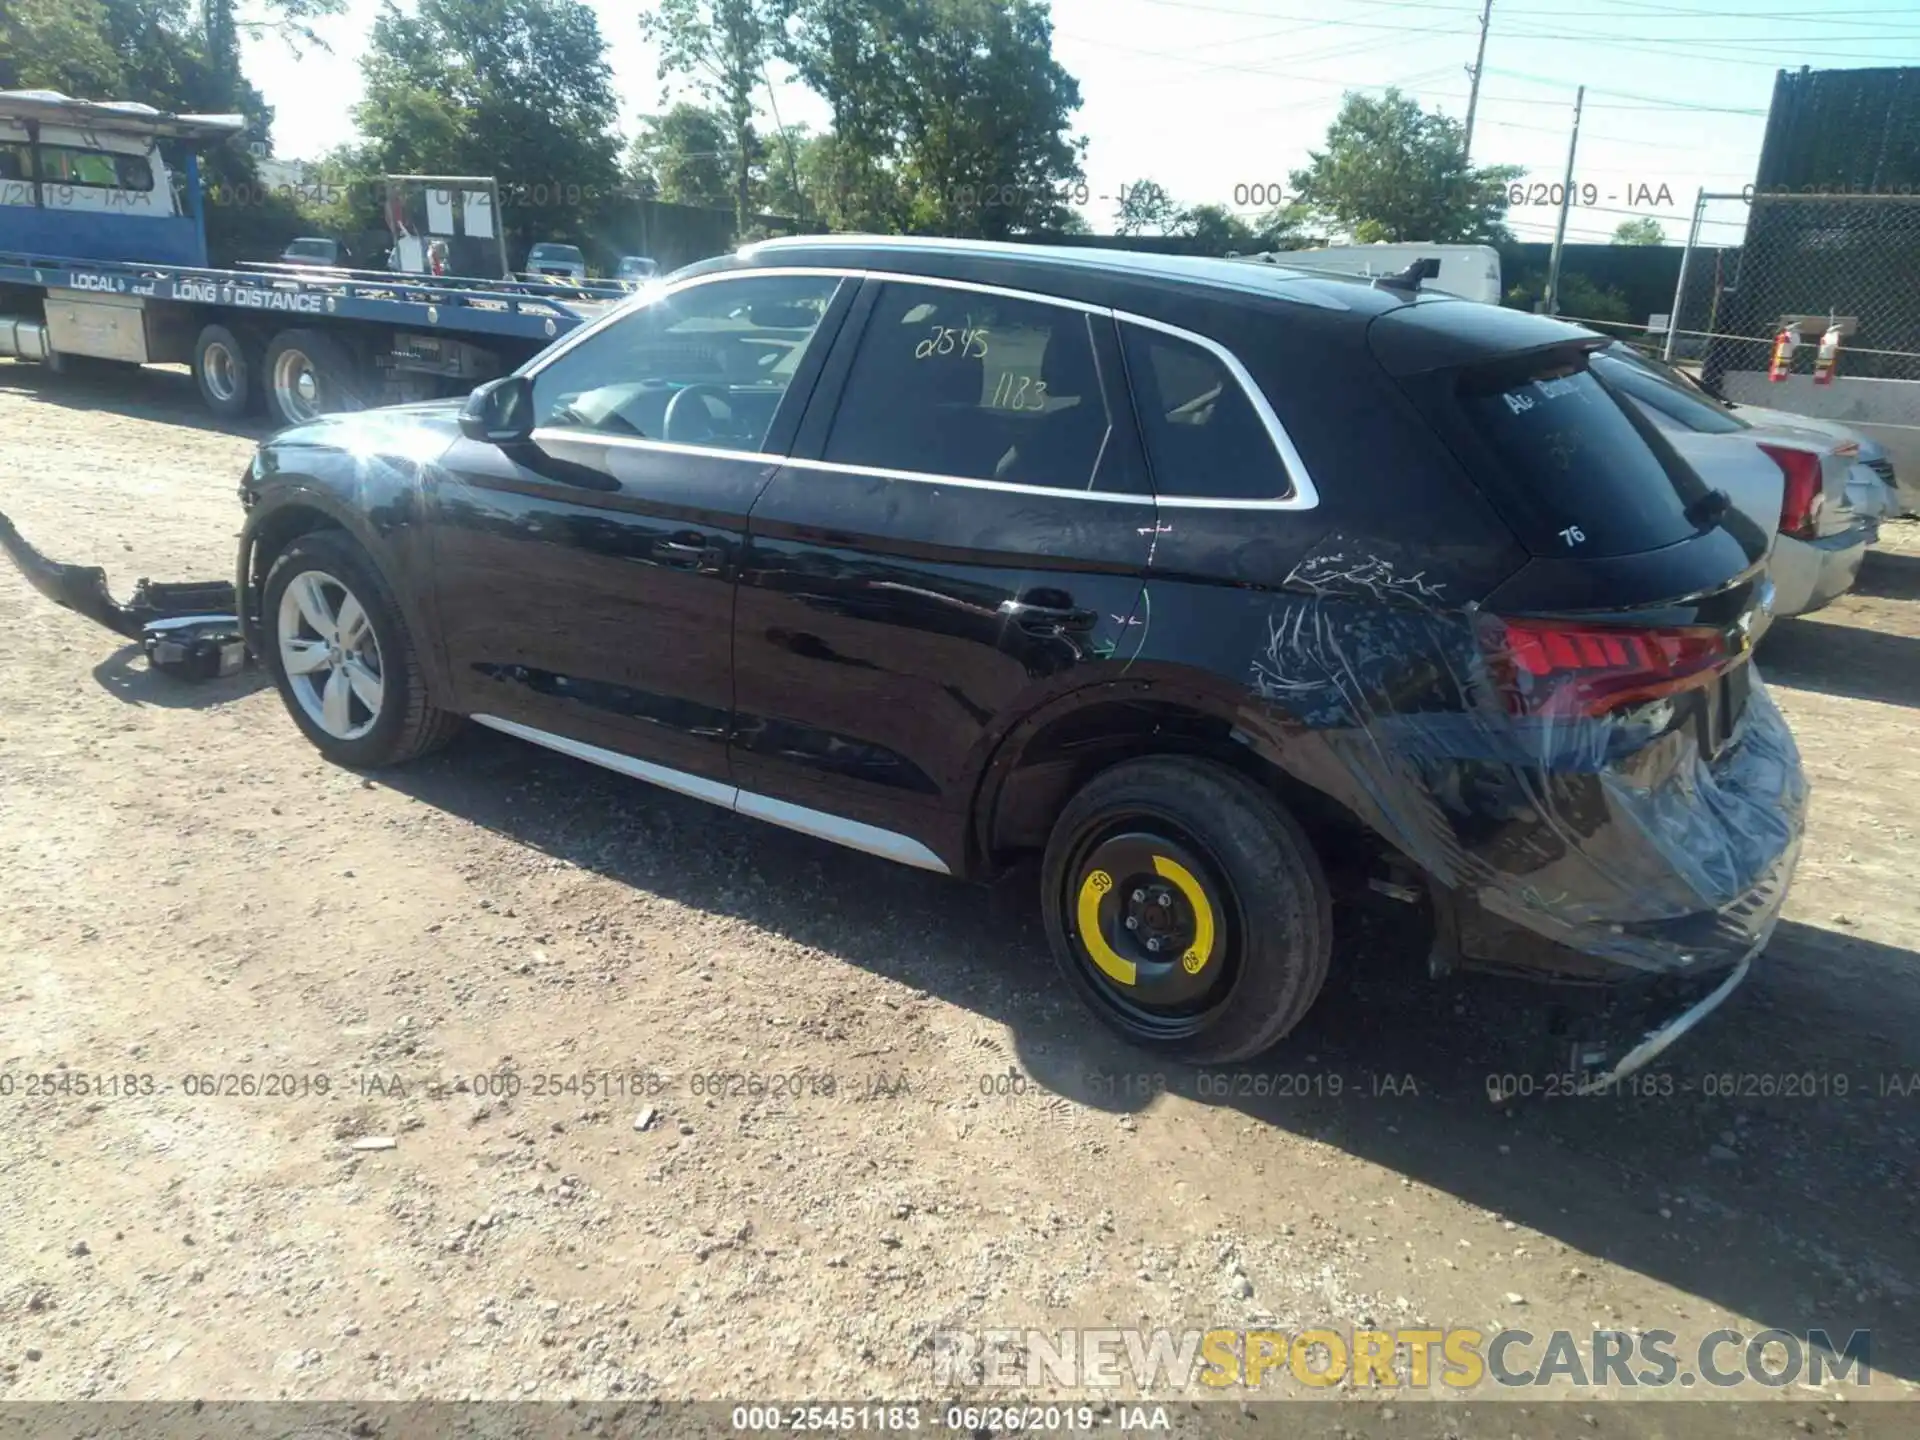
(190, 891)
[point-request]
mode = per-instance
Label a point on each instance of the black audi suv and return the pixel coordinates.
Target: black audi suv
(1195, 581)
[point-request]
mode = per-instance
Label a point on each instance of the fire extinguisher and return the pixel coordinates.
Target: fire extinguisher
(1827, 357)
(1783, 347)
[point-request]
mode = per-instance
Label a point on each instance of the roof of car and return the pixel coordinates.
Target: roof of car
(1067, 268)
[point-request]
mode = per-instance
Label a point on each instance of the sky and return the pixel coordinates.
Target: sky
(1212, 99)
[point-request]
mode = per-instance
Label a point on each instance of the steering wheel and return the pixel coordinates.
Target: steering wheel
(679, 411)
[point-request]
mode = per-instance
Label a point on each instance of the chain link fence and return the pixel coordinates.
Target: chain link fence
(1759, 264)
(1756, 263)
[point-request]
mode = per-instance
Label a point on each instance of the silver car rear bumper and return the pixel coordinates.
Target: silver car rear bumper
(1808, 574)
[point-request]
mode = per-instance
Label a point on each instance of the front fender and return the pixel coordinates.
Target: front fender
(387, 519)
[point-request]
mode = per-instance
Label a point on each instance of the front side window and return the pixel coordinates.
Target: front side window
(706, 365)
(1204, 438)
(974, 385)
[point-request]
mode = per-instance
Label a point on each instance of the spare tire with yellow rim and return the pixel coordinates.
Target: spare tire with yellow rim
(1187, 907)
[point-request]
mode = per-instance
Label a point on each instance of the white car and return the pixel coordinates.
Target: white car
(549, 260)
(1806, 485)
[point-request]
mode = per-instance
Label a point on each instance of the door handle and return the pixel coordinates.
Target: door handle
(1047, 619)
(685, 554)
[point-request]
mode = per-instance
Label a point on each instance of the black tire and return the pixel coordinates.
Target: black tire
(338, 382)
(226, 367)
(1262, 900)
(407, 724)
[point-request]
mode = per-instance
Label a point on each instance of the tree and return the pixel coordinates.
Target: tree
(682, 157)
(950, 116)
(516, 89)
(1145, 208)
(1402, 174)
(722, 47)
(173, 56)
(844, 50)
(795, 172)
(1286, 227)
(1216, 230)
(1580, 297)
(1643, 231)
(59, 45)
(158, 52)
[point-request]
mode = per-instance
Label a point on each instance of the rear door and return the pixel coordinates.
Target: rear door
(959, 535)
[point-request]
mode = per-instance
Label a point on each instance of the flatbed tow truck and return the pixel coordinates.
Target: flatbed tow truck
(103, 262)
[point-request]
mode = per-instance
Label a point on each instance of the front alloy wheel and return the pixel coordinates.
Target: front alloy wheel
(331, 655)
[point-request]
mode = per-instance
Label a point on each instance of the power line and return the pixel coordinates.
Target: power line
(1658, 101)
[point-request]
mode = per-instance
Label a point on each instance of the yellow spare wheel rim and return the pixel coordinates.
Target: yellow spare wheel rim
(1148, 920)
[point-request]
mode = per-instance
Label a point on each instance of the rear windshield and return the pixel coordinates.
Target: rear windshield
(1560, 457)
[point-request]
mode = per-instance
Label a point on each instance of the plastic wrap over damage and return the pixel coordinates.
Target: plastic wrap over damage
(1658, 836)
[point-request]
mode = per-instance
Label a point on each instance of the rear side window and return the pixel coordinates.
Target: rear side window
(979, 386)
(1570, 471)
(1203, 437)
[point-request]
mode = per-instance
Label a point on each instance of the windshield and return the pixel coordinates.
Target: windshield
(311, 249)
(634, 265)
(1656, 386)
(568, 253)
(1669, 374)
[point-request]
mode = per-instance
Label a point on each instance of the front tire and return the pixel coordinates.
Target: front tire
(1187, 908)
(342, 657)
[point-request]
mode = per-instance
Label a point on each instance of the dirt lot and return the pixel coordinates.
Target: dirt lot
(189, 891)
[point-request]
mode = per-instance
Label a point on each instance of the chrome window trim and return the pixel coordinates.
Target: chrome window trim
(927, 477)
(1006, 292)
(1304, 495)
(640, 442)
(854, 834)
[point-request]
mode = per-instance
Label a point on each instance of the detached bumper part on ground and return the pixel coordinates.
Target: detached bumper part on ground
(189, 630)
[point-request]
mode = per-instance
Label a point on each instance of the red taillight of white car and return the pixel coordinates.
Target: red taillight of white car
(1800, 509)
(1563, 667)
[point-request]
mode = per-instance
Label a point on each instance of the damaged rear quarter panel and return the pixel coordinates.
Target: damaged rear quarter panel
(1350, 629)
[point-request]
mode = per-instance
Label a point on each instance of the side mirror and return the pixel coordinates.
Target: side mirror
(499, 412)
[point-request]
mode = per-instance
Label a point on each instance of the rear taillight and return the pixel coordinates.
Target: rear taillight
(1800, 510)
(1559, 667)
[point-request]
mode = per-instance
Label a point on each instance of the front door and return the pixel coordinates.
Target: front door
(585, 580)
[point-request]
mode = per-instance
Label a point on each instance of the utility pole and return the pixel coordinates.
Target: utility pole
(1552, 302)
(1479, 64)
